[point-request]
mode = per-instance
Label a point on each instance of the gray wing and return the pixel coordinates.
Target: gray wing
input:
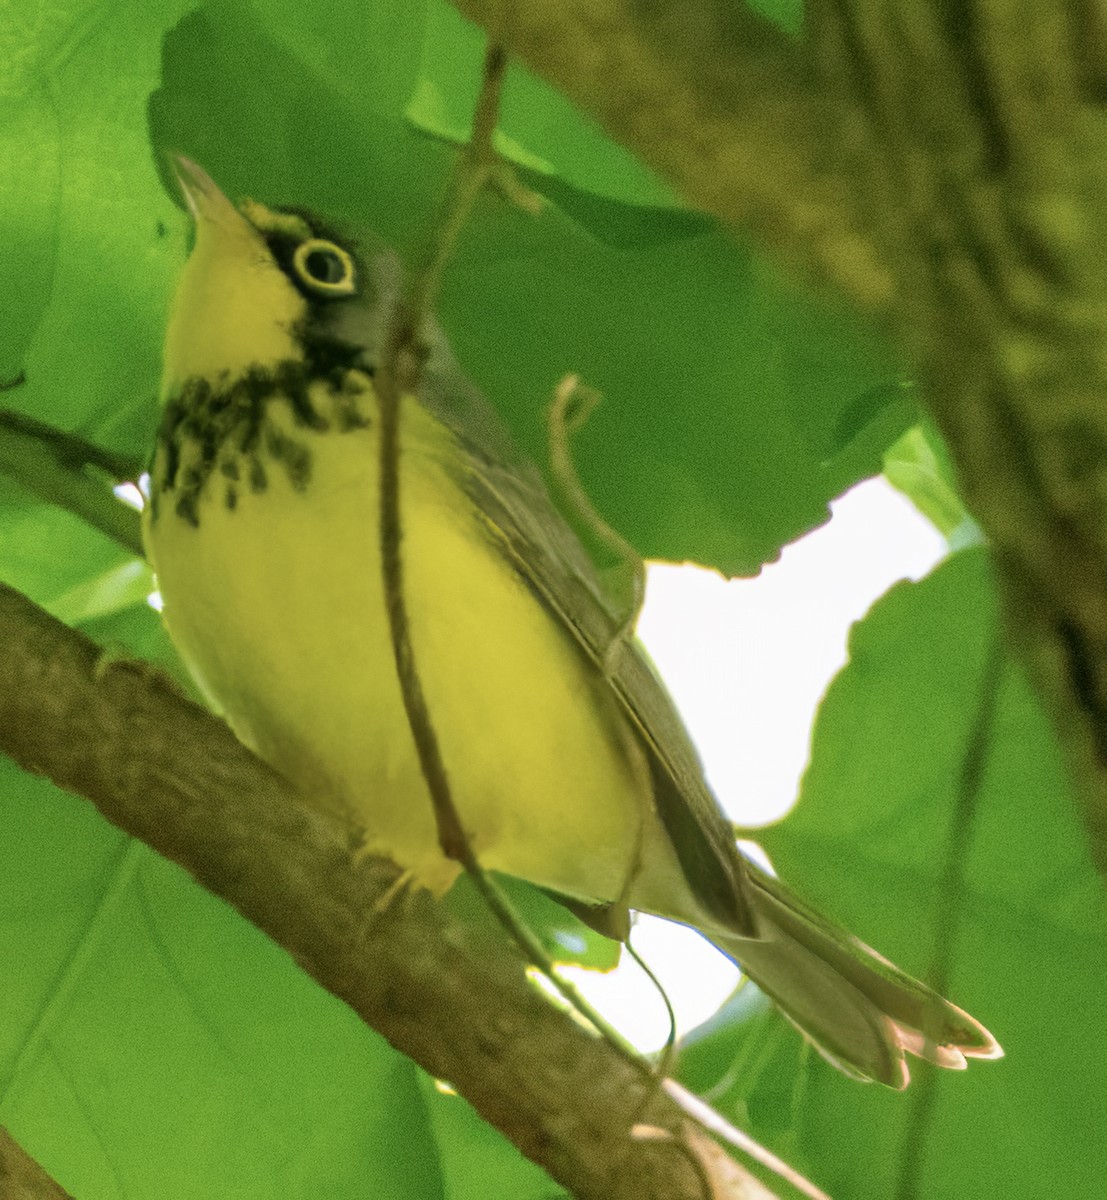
(549, 557)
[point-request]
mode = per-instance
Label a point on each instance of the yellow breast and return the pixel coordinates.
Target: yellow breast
(268, 564)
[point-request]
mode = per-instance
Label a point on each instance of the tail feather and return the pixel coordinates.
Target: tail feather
(861, 1012)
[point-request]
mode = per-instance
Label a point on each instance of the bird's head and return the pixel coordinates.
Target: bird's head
(264, 287)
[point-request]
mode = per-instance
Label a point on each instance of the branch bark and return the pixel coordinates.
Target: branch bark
(21, 1178)
(164, 770)
(945, 168)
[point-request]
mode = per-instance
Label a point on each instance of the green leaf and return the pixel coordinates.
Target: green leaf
(82, 207)
(725, 386)
(103, 595)
(56, 559)
(533, 115)
(156, 1044)
(880, 814)
(475, 1161)
(564, 938)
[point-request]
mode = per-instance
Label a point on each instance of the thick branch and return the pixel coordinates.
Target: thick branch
(454, 999)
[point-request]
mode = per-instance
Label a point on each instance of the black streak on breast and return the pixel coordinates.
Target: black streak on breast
(228, 431)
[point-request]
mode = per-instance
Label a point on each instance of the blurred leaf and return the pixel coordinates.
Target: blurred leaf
(532, 115)
(786, 13)
(106, 594)
(869, 840)
(720, 455)
(92, 260)
(155, 1044)
(750, 1065)
(49, 554)
(564, 937)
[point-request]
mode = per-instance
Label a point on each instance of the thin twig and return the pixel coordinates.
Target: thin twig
(70, 450)
(453, 837)
(54, 466)
(474, 169)
(399, 377)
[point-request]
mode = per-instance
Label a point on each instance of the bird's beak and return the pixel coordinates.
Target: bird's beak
(205, 201)
(234, 308)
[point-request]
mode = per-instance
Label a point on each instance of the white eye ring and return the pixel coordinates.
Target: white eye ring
(325, 268)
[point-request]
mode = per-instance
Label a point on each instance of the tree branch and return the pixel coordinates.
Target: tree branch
(54, 466)
(167, 772)
(21, 1178)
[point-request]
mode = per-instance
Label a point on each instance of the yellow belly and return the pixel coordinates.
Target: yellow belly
(276, 606)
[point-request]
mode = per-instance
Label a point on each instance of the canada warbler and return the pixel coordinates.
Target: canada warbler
(566, 760)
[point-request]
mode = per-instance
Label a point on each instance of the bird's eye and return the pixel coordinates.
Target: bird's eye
(324, 267)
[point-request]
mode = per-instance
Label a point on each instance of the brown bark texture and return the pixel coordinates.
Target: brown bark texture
(21, 1178)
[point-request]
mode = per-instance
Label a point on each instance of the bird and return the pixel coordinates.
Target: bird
(567, 763)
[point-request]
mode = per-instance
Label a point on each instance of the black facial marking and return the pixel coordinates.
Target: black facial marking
(292, 381)
(230, 431)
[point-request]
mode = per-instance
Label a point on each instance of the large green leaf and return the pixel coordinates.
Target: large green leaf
(154, 1044)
